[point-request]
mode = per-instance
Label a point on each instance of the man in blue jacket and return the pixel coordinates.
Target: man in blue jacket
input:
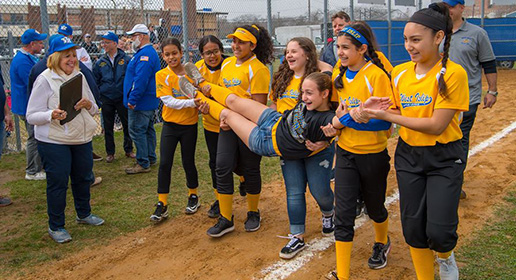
(109, 73)
(21, 64)
(329, 53)
(140, 98)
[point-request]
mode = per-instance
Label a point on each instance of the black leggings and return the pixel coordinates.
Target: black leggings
(233, 154)
(171, 135)
(354, 173)
(211, 142)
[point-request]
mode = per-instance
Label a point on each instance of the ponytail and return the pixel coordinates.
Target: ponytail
(264, 50)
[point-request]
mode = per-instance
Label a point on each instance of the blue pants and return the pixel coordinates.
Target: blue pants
(316, 171)
(141, 130)
(63, 163)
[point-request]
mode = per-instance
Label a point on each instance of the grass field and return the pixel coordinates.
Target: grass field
(124, 201)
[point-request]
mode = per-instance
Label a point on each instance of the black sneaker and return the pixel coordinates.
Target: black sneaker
(214, 211)
(328, 225)
(193, 204)
(379, 258)
(293, 247)
(253, 221)
(160, 213)
(360, 208)
(222, 227)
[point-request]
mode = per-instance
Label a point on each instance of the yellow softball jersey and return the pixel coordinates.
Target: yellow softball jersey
(385, 61)
(418, 97)
(209, 123)
(288, 99)
(369, 81)
(167, 83)
(246, 79)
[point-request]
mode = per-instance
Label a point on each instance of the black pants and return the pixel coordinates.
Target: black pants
(109, 109)
(354, 174)
(430, 180)
(233, 154)
(211, 142)
(171, 135)
(468, 119)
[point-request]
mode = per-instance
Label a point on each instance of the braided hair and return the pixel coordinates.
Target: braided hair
(282, 78)
(371, 51)
(443, 9)
(264, 50)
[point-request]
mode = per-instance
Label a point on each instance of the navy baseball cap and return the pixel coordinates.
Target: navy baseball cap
(110, 36)
(31, 35)
(61, 43)
(454, 3)
(65, 29)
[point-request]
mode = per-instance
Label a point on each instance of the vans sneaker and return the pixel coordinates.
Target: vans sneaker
(293, 247)
(328, 224)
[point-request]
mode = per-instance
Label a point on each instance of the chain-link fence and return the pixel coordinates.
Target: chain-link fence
(165, 18)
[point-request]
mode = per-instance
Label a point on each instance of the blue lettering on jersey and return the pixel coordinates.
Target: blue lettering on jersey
(176, 93)
(419, 99)
(291, 94)
(231, 82)
(351, 101)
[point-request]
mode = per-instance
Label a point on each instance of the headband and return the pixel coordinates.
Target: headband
(429, 18)
(355, 34)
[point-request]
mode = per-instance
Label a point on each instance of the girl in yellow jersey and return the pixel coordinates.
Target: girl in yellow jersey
(300, 61)
(362, 159)
(246, 75)
(180, 116)
(211, 50)
(430, 92)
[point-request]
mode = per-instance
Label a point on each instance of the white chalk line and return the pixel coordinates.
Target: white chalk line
(284, 268)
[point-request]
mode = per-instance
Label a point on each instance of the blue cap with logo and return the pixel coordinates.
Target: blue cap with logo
(110, 36)
(454, 3)
(60, 43)
(31, 35)
(65, 29)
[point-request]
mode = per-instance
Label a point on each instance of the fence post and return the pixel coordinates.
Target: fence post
(17, 132)
(10, 40)
(44, 19)
(352, 10)
(389, 29)
(184, 9)
(482, 13)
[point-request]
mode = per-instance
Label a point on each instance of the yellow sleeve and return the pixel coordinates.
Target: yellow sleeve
(395, 97)
(260, 81)
(162, 88)
(458, 91)
(383, 86)
(335, 93)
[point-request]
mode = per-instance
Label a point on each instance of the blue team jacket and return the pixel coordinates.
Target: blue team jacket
(110, 78)
(140, 79)
(88, 75)
(19, 72)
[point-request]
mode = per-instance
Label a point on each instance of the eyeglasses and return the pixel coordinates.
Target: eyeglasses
(210, 53)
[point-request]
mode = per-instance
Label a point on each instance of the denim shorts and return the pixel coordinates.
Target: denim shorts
(260, 139)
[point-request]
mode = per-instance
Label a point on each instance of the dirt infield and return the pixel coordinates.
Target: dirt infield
(180, 249)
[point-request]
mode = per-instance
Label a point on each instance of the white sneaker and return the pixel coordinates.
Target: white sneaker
(448, 269)
(36, 177)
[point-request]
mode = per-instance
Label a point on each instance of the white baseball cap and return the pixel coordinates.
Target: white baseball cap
(139, 28)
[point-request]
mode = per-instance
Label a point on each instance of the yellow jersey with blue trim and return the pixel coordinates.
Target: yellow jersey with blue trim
(369, 81)
(417, 96)
(246, 79)
(209, 122)
(288, 99)
(167, 83)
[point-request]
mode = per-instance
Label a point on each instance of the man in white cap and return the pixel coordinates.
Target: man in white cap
(21, 64)
(140, 98)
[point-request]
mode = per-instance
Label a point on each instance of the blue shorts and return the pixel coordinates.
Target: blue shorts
(260, 139)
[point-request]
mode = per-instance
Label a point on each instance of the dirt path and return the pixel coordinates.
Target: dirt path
(180, 249)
